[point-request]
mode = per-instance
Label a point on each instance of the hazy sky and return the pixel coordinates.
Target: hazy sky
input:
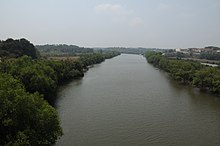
(101, 23)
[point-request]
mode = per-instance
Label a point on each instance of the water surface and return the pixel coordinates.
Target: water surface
(126, 101)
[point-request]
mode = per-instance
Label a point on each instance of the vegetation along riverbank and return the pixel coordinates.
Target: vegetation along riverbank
(28, 81)
(188, 72)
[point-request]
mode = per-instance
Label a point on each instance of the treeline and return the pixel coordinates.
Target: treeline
(94, 58)
(188, 72)
(41, 75)
(126, 50)
(44, 76)
(17, 48)
(210, 55)
(62, 50)
(25, 117)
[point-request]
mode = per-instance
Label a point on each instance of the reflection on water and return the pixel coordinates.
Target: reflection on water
(126, 101)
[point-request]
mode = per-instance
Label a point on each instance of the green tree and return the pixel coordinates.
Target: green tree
(25, 118)
(18, 48)
(188, 72)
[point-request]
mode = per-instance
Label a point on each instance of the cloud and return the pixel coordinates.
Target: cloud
(110, 8)
(119, 14)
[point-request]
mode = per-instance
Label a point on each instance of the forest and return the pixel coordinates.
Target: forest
(62, 49)
(28, 88)
(188, 72)
(18, 48)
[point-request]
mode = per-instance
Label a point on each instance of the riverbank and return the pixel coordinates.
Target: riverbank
(199, 60)
(46, 75)
(188, 72)
(27, 87)
(212, 63)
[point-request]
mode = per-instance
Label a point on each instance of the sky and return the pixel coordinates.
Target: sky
(113, 23)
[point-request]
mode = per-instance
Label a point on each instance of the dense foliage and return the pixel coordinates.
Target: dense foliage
(42, 76)
(17, 48)
(110, 54)
(188, 72)
(94, 58)
(25, 118)
(210, 55)
(62, 50)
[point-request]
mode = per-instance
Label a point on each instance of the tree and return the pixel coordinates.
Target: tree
(18, 48)
(25, 118)
(188, 72)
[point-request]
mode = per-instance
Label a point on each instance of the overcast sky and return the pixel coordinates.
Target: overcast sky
(102, 23)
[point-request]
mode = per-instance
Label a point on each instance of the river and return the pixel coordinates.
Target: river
(125, 101)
